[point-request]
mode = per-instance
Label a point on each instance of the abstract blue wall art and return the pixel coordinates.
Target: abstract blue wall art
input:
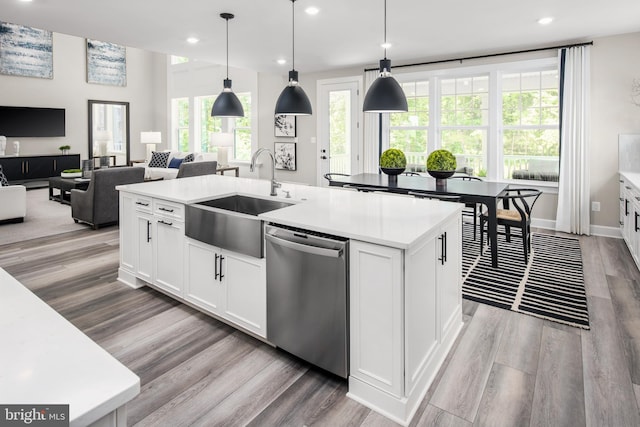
(25, 51)
(106, 63)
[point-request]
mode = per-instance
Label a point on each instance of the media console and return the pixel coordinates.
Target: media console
(21, 169)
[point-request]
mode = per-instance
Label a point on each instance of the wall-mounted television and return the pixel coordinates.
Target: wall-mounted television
(32, 122)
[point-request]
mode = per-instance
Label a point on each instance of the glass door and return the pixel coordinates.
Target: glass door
(338, 121)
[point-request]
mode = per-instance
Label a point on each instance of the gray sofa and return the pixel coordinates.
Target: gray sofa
(197, 169)
(98, 205)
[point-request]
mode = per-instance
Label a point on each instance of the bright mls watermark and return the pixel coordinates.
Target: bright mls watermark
(34, 415)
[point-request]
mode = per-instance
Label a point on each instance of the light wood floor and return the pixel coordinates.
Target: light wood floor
(507, 369)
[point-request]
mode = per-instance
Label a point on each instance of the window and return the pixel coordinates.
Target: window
(500, 121)
(207, 124)
(242, 130)
(530, 119)
(178, 59)
(180, 120)
(409, 131)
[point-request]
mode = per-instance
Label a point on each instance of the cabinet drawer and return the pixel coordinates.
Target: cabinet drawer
(143, 204)
(168, 209)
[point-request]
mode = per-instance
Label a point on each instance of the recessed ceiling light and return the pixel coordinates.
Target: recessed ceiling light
(311, 10)
(193, 40)
(282, 61)
(386, 45)
(545, 21)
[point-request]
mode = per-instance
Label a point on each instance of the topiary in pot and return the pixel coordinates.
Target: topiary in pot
(441, 164)
(393, 161)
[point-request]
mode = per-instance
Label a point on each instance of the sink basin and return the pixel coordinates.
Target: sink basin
(239, 229)
(245, 204)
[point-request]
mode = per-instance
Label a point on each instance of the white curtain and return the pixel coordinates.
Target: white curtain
(574, 186)
(371, 134)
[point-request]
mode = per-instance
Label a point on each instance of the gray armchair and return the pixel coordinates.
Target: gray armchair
(197, 168)
(98, 205)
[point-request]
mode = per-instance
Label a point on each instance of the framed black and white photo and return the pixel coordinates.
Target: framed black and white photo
(285, 155)
(106, 63)
(285, 125)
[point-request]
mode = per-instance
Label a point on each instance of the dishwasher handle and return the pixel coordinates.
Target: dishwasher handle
(333, 253)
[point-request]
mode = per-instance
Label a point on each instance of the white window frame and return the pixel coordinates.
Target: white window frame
(495, 164)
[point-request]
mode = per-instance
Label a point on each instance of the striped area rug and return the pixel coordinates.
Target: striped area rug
(550, 286)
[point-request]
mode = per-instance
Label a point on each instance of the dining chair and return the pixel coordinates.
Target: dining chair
(470, 209)
(523, 200)
(411, 174)
(329, 176)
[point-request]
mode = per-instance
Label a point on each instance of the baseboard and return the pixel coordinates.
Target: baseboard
(594, 230)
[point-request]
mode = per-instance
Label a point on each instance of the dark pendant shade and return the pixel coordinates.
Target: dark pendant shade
(293, 101)
(227, 103)
(385, 94)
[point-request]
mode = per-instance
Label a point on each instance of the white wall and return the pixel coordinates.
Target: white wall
(145, 91)
(614, 64)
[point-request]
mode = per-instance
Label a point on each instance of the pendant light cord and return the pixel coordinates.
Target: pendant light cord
(227, 19)
(293, 34)
(385, 29)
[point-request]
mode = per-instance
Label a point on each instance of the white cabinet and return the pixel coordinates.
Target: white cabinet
(168, 246)
(227, 284)
(127, 231)
(144, 246)
(630, 217)
(405, 313)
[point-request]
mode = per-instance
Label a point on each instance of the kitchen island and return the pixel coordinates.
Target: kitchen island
(404, 273)
(45, 360)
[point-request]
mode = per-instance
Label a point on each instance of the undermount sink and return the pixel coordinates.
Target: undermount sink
(245, 204)
(239, 229)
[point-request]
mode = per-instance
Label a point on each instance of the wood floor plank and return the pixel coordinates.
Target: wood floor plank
(507, 398)
(626, 302)
(593, 269)
(374, 419)
(197, 400)
(252, 397)
(161, 390)
(636, 389)
(558, 398)
(520, 343)
(460, 389)
(299, 402)
(436, 417)
(616, 258)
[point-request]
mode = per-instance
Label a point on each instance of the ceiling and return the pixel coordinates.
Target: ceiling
(344, 33)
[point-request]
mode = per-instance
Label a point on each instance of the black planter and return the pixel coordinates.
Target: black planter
(392, 171)
(441, 174)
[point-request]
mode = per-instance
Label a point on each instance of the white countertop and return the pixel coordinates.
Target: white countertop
(391, 220)
(633, 177)
(46, 360)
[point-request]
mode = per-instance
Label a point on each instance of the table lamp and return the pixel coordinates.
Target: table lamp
(223, 141)
(150, 139)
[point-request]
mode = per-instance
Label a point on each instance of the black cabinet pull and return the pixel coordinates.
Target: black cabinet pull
(626, 207)
(442, 249)
(147, 204)
(165, 209)
(165, 223)
(148, 231)
(444, 254)
(216, 268)
(221, 275)
(636, 222)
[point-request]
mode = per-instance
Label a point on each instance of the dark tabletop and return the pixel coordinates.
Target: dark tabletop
(425, 184)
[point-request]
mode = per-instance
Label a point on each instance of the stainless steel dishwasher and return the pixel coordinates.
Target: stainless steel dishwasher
(307, 296)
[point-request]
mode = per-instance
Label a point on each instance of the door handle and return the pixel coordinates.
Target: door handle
(148, 231)
(221, 275)
(216, 268)
(443, 257)
(626, 207)
(636, 222)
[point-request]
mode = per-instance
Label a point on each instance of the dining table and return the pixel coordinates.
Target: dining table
(484, 192)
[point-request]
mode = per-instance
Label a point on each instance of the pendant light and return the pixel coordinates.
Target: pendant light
(385, 94)
(293, 101)
(227, 103)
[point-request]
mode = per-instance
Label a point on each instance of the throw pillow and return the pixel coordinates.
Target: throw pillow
(3, 179)
(175, 163)
(158, 160)
(189, 158)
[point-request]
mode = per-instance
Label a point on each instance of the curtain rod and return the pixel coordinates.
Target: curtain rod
(487, 56)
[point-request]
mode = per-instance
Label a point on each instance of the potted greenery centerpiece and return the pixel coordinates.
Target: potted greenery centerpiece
(71, 173)
(441, 164)
(64, 149)
(393, 162)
